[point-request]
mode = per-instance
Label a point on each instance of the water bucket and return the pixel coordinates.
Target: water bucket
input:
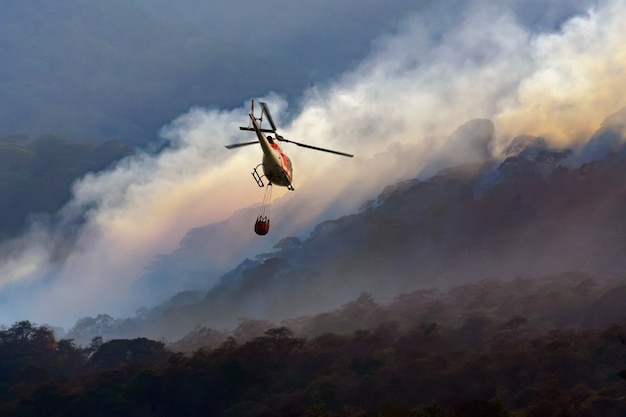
(261, 227)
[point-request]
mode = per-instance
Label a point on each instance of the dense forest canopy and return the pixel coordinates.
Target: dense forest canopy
(426, 354)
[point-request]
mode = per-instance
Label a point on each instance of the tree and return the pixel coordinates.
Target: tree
(474, 408)
(514, 324)
(430, 410)
(87, 328)
(140, 351)
(248, 329)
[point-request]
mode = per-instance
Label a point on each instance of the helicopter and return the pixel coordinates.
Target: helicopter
(277, 167)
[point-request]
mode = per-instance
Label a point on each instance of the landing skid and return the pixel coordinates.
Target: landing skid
(257, 177)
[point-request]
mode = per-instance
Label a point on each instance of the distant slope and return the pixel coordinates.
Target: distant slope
(109, 70)
(529, 215)
(36, 175)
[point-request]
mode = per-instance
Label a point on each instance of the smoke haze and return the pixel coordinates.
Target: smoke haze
(398, 111)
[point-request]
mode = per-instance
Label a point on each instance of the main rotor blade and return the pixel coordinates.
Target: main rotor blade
(314, 147)
(237, 145)
(269, 116)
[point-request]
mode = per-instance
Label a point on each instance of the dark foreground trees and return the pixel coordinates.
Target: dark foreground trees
(383, 371)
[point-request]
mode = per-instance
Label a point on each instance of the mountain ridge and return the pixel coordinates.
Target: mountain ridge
(529, 215)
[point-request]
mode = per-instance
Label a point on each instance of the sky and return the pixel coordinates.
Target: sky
(555, 69)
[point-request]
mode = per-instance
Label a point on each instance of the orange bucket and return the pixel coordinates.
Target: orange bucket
(261, 227)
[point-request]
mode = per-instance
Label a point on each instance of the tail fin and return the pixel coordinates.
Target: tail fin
(260, 119)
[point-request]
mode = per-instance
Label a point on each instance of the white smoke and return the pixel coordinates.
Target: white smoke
(396, 111)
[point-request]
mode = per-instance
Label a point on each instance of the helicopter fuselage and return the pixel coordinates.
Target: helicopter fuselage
(276, 165)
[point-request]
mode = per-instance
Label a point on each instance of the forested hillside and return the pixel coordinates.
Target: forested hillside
(529, 215)
(489, 349)
(444, 271)
(428, 335)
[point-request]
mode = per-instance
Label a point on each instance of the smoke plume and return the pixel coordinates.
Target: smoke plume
(398, 111)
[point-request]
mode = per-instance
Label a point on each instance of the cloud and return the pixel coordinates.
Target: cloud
(559, 84)
(398, 111)
(575, 77)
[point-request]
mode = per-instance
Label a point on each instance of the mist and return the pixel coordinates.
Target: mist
(397, 110)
